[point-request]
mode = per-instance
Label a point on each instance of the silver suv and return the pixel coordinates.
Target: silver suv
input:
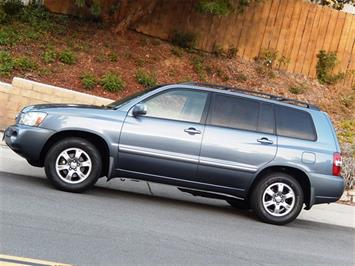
(254, 150)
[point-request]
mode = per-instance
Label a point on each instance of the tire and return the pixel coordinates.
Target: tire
(239, 204)
(73, 164)
(273, 206)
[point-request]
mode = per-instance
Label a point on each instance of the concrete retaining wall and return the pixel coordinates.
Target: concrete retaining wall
(23, 92)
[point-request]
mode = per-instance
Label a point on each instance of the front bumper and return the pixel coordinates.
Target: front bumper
(27, 141)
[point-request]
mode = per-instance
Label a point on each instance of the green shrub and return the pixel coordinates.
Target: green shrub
(25, 64)
(184, 39)
(347, 100)
(88, 80)
(177, 51)
(12, 7)
(346, 131)
(112, 82)
(49, 56)
(219, 51)
(198, 66)
(214, 7)
(267, 57)
(297, 89)
(241, 77)
(146, 79)
(8, 36)
(265, 71)
(113, 57)
(325, 66)
(222, 75)
(67, 57)
(4, 18)
(6, 63)
(100, 58)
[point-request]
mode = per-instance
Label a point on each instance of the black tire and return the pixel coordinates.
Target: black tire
(92, 174)
(258, 198)
(239, 204)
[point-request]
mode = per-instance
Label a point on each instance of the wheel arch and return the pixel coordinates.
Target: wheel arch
(98, 141)
(297, 173)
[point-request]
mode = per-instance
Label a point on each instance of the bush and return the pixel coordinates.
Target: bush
(112, 82)
(198, 66)
(346, 131)
(219, 51)
(177, 51)
(25, 64)
(146, 79)
(265, 71)
(214, 7)
(347, 100)
(4, 18)
(67, 57)
(297, 89)
(325, 66)
(8, 36)
(6, 63)
(88, 80)
(184, 39)
(49, 56)
(113, 57)
(267, 57)
(12, 7)
(241, 77)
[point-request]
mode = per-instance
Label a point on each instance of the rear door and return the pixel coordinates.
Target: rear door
(239, 138)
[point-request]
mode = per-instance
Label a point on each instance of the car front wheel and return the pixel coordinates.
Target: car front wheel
(277, 199)
(73, 164)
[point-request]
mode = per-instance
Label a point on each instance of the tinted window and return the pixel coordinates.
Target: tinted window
(294, 124)
(185, 105)
(235, 112)
(266, 119)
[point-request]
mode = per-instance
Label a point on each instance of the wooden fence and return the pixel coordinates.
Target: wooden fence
(297, 29)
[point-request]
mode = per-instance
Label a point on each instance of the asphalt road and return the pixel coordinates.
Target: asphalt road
(108, 226)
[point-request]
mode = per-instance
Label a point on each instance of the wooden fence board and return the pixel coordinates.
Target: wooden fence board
(305, 38)
(311, 48)
(298, 37)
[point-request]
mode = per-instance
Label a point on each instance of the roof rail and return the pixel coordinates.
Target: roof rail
(255, 93)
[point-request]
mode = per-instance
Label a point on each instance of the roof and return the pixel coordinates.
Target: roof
(256, 93)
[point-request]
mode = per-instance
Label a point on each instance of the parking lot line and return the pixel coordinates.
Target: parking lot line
(6, 260)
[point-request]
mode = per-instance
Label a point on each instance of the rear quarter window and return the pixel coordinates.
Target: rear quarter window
(294, 123)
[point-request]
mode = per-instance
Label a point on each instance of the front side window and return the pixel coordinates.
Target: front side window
(184, 105)
(294, 123)
(235, 112)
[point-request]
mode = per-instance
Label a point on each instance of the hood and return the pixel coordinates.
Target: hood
(39, 107)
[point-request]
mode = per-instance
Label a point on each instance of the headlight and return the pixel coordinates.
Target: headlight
(32, 118)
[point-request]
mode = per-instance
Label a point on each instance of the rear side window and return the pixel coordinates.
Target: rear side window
(266, 119)
(294, 123)
(235, 112)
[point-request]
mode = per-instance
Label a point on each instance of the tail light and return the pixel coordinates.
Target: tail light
(337, 162)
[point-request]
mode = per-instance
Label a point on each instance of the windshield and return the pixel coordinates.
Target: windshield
(120, 102)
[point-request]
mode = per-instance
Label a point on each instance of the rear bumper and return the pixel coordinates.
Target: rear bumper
(326, 188)
(27, 141)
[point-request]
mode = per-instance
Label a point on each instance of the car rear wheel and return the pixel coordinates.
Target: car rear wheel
(73, 164)
(277, 199)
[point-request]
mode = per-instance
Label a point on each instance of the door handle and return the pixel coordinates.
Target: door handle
(265, 141)
(192, 131)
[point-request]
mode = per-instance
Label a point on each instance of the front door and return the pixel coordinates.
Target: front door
(164, 144)
(239, 139)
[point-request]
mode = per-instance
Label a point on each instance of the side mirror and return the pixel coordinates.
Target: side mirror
(139, 109)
